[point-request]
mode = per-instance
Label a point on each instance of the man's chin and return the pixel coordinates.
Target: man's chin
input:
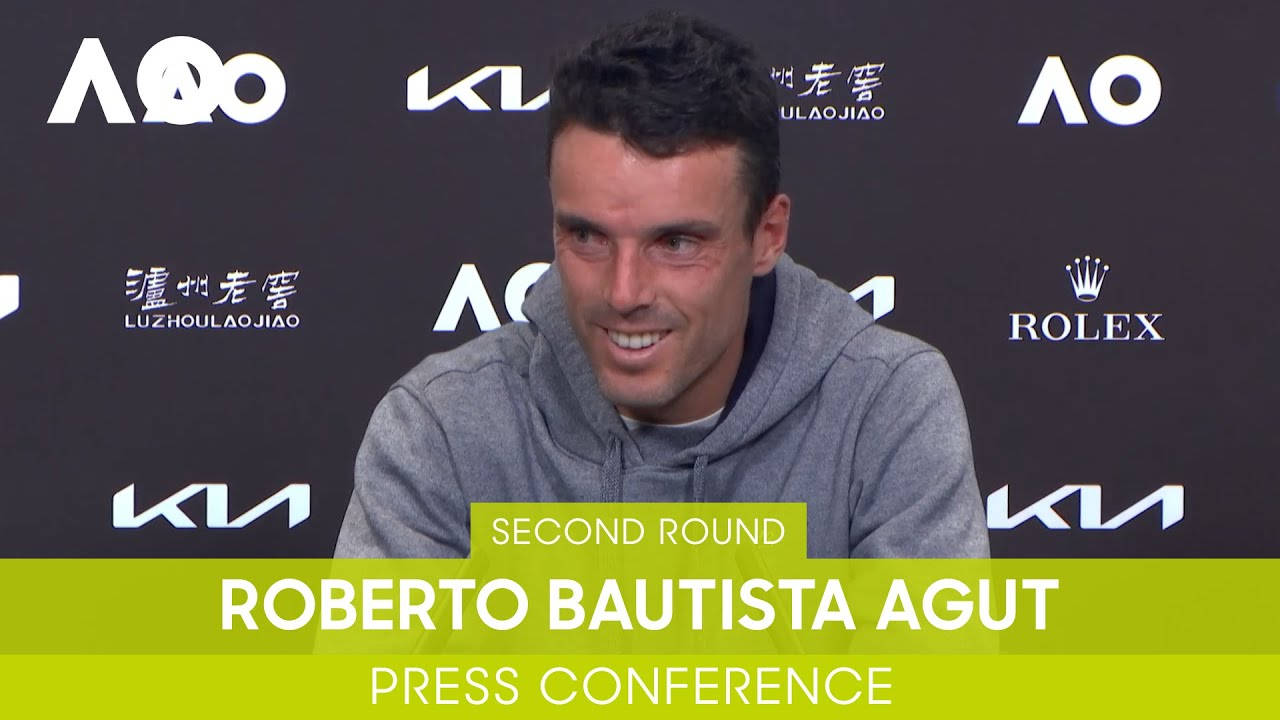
(635, 397)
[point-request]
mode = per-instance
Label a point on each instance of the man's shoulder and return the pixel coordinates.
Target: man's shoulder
(478, 365)
(890, 347)
(831, 308)
(901, 369)
(872, 352)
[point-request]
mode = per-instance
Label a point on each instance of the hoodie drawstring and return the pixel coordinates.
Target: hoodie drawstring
(699, 471)
(611, 472)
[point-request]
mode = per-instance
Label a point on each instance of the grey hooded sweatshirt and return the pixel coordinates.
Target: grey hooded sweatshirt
(861, 423)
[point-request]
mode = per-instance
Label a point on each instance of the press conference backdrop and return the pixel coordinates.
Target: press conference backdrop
(229, 226)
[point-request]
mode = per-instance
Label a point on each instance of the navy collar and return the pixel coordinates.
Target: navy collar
(764, 291)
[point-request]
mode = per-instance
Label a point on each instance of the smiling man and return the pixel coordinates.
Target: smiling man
(674, 352)
(657, 264)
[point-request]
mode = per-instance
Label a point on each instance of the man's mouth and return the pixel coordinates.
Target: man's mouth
(636, 341)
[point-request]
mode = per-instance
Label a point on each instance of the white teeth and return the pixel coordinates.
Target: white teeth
(635, 341)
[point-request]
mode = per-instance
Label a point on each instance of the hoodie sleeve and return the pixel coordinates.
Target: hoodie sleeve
(914, 490)
(407, 501)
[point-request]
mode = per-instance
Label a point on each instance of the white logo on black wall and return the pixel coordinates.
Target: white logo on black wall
(1170, 499)
(1086, 277)
(10, 294)
(823, 91)
(168, 88)
(830, 91)
(1054, 83)
(295, 497)
(468, 290)
(236, 300)
(467, 91)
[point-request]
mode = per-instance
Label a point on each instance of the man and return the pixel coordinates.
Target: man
(673, 351)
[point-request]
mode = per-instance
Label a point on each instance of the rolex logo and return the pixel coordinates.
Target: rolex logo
(1087, 277)
(1086, 281)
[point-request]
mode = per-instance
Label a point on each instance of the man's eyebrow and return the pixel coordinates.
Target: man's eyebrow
(573, 223)
(684, 227)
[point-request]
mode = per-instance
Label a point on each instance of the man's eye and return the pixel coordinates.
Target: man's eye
(582, 235)
(679, 243)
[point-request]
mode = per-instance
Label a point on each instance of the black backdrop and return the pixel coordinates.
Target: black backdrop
(376, 208)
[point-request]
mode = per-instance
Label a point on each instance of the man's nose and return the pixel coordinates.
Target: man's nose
(630, 280)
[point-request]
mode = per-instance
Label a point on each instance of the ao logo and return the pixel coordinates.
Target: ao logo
(167, 86)
(469, 289)
(9, 294)
(1054, 83)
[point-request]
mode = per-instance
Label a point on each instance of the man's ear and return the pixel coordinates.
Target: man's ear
(770, 239)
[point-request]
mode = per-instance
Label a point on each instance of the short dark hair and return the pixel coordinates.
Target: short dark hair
(669, 83)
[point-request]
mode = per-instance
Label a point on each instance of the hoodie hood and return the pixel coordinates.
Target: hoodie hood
(813, 320)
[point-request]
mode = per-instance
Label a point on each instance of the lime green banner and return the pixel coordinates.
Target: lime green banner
(818, 686)
(640, 579)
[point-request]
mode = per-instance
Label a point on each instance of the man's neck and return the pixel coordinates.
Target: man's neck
(633, 423)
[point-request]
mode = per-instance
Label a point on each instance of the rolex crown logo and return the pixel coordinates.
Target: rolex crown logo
(1086, 278)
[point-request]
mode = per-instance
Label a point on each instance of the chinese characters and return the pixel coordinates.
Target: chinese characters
(831, 91)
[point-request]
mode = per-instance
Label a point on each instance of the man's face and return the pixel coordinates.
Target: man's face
(656, 268)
